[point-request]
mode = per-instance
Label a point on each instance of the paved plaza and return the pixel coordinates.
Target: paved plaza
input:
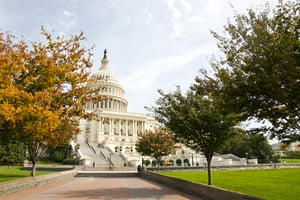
(109, 187)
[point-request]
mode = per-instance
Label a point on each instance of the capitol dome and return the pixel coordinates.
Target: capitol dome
(107, 92)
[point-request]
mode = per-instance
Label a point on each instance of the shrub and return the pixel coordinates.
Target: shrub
(186, 161)
(178, 162)
(70, 161)
(12, 152)
(292, 154)
(147, 162)
(58, 156)
(154, 162)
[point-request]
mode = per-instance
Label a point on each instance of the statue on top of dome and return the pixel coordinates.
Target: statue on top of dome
(105, 51)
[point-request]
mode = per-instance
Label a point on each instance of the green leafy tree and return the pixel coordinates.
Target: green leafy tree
(198, 120)
(60, 152)
(260, 70)
(13, 152)
(42, 87)
(253, 146)
(156, 143)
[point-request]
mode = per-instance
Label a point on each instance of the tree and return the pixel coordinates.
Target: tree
(253, 145)
(156, 143)
(60, 152)
(13, 152)
(260, 71)
(42, 89)
(198, 121)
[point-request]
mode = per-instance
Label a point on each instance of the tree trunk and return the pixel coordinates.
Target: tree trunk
(33, 170)
(209, 170)
(158, 164)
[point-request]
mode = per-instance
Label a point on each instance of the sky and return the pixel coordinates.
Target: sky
(151, 44)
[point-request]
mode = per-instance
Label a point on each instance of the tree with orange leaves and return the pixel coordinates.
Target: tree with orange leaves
(42, 87)
(156, 143)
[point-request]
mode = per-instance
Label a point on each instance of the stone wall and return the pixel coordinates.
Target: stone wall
(49, 167)
(205, 192)
(30, 182)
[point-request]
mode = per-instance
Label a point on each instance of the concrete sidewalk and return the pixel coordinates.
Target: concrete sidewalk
(113, 186)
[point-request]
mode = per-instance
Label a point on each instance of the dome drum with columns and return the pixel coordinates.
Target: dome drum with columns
(105, 85)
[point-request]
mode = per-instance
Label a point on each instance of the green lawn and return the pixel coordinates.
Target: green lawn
(271, 184)
(8, 173)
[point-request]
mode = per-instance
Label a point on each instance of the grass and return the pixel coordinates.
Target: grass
(270, 184)
(8, 173)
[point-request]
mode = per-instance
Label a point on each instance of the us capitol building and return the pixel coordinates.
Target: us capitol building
(108, 138)
(112, 127)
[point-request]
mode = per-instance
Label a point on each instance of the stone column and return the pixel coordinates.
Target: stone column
(110, 127)
(143, 126)
(119, 131)
(134, 128)
(126, 128)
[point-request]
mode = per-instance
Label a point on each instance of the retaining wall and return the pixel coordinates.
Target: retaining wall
(30, 182)
(205, 192)
(50, 167)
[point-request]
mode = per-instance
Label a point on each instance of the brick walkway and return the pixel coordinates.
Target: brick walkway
(113, 188)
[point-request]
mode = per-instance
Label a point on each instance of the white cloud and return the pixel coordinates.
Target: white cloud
(145, 75)
(196, 19)
(170, 3)
(186, 5)
(177, 27)
(214, 7)
(68, 13)
(67, 20)
(176, 13)
(177, 30)
(148, 16)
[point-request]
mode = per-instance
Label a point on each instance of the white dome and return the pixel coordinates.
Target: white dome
(105, 84)
(104, 73)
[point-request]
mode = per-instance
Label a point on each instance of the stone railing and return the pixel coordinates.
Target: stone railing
(205, 192)
(30, 182)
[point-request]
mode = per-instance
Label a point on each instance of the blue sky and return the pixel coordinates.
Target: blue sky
(151, 44)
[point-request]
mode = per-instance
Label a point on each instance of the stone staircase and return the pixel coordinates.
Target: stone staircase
(89, 151)
(102, 157)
